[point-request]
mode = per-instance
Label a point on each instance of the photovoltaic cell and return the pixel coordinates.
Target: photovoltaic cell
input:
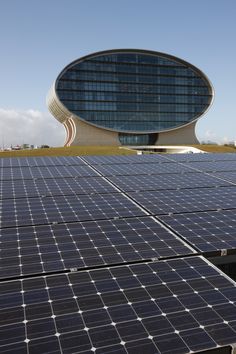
(201, 157)
(41, 161)
(166, 181)
(53, 186)
(123, 159)
(9, 173)
(142, 169)
(208, 231)
(212, 166)
(47, 248)
(54, 219)
(61, 209)
(226, 176)
(186, 201)
(176, 306)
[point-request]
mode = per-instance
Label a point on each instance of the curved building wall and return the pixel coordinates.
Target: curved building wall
(129, 92)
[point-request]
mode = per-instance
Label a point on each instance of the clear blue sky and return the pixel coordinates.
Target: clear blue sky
(39, 37)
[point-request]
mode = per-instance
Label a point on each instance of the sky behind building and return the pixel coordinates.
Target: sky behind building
(40, 37)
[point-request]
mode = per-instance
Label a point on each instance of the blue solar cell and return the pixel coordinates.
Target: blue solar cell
(208, 231)
(51, 314)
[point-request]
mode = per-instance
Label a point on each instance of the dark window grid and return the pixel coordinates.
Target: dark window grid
(166, 181)
(146, 91)
(136, 80)
(170, 66)
(129, 122)
(133, 83)
(115, 87)
(132, 106)
(137, 66)
(65, 100)
(132, 98)
(58, 209)
(137, 139)
(130, 74)
(81, 82)
(94, 111)
(135, 116)
(53, 186)
(208, 231)
(178, 201)
(132, 93)
(84, 102)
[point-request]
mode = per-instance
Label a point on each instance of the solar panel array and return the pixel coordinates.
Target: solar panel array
(108, 254)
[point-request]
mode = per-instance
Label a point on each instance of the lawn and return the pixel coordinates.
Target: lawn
(97, 150)
(69, 151)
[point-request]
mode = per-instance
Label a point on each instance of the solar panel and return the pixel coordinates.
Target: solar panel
(226, 176)
(201, 157)
(57, 209)
(9, 173)
(212, 166)
(85, 267)
(41, 161)
(122, 159)
(186, 201)
(47, 248)
(50, 186)
(166, 181)
(208, 231)
(176, 306)
(142, 169)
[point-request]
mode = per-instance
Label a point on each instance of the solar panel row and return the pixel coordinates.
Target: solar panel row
(177, 306)
(41, 161)
(115, 293)
(53, 186)
(22, 172)
(47, 248)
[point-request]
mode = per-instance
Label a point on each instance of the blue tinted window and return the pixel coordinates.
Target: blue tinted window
(137, 139)
(134, 92)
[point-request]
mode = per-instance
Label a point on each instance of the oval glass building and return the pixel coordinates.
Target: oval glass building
(130, 97)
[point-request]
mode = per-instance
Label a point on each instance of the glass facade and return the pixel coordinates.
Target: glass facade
(137, 139)
(134, 91)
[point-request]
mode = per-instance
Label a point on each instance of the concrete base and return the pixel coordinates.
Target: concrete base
(86, 134)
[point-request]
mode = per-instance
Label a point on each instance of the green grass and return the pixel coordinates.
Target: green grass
(69, 151)
(98, 150)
